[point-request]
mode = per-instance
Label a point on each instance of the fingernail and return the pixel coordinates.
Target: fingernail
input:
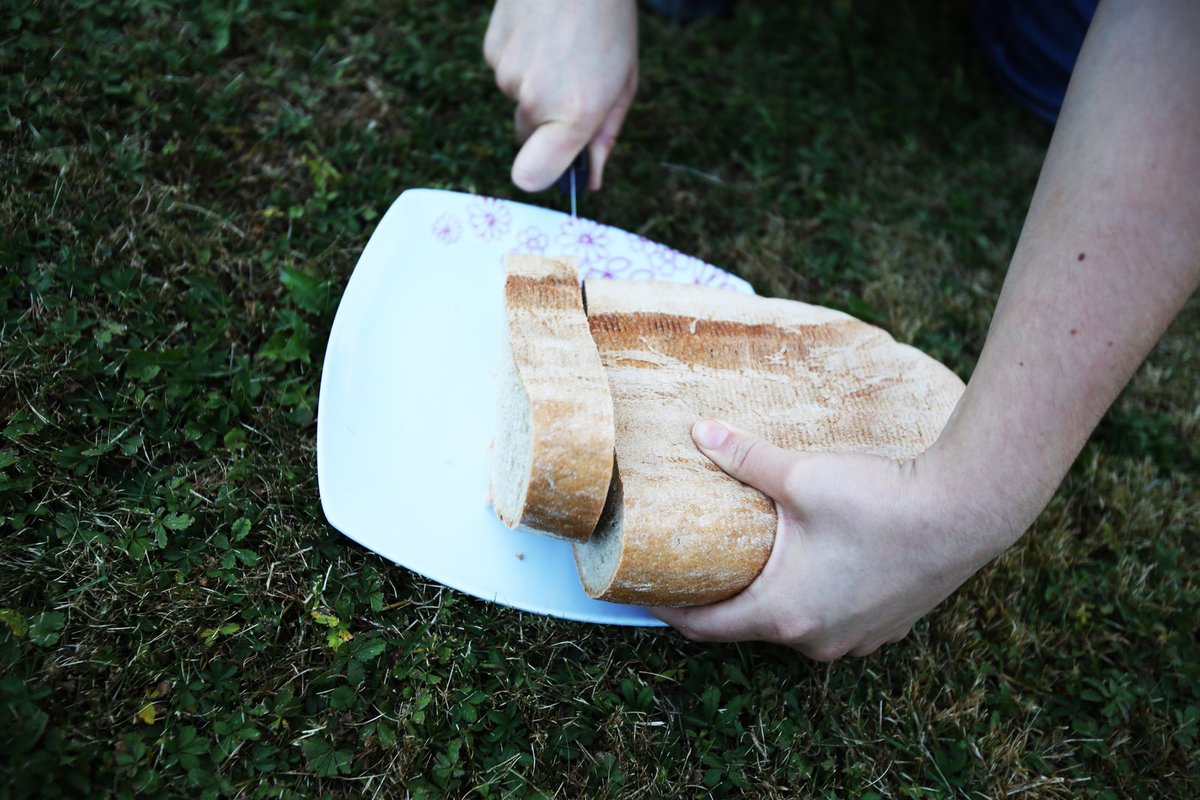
(709, 434)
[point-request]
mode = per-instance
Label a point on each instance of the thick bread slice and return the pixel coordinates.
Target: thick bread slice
(678, 531)
(552, 458)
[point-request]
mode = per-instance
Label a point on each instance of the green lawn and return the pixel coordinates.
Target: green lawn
(183, 195)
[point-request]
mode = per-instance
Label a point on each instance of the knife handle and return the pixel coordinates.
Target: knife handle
(581, 166)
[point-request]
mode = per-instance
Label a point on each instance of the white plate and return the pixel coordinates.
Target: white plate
(408, 392)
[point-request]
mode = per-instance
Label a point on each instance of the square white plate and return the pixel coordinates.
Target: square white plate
(408, 392)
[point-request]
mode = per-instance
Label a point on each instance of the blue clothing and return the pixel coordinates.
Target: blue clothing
(1031, 47)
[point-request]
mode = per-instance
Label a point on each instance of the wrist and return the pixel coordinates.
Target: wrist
(979, 510)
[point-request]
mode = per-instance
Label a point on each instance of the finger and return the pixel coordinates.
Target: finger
(496, 33)
(508, 81)
(749, 458)
(546, 154)
(732, 620)
(523, 126)
(606, 137)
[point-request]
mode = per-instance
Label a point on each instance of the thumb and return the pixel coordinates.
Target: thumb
(749, 458)
(546, 154)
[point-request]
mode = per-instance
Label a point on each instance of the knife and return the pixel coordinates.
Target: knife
(575, 179)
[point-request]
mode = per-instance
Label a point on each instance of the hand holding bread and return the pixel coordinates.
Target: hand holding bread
(864, 548)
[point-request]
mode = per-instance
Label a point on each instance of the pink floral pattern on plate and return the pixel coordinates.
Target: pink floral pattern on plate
(619, 267)
(708, 275)
(666, 261)
(447, 229)
(601, 252)
(584, 239)
(640, 244)
(532, 240)
(490, 218)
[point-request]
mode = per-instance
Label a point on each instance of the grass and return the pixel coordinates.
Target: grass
(184, 193)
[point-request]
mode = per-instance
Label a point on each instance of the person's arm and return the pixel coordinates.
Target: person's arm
(1109, 253)
(572, 68)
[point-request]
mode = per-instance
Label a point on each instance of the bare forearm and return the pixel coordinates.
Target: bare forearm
(1109, 253)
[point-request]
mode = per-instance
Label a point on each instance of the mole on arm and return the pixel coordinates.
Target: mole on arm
(1082, 256)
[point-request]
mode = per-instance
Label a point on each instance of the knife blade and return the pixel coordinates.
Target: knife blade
(575, 180)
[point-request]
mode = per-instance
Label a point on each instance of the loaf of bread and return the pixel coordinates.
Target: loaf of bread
(552, 457)
(678, 531)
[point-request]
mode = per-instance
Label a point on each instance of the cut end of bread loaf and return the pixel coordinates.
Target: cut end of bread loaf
(512, 449)
(598, 558)
(675, 559)
(552, 457)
